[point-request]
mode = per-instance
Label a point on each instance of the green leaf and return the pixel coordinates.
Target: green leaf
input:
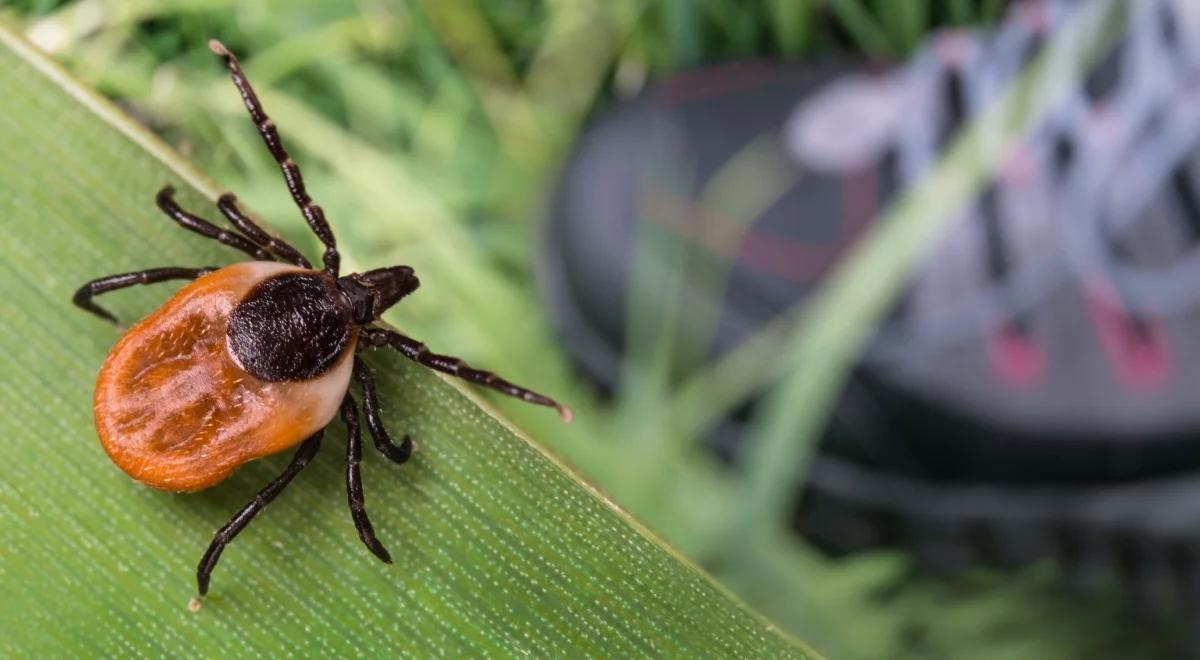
(500, 549)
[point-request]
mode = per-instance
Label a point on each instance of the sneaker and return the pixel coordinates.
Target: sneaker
(1032, 395)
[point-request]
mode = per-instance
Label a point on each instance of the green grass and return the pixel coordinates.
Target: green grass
(430, 132)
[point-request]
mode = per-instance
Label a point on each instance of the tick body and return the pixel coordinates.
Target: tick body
(181, 400)
(255, 358)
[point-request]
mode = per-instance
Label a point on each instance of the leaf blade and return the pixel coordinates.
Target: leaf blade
(499, 549)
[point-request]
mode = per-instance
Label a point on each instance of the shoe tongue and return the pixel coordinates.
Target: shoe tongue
(848, 125)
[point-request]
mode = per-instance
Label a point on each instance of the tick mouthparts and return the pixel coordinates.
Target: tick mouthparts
(389, 285)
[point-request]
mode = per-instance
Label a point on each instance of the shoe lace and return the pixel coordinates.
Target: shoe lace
(1077, 186)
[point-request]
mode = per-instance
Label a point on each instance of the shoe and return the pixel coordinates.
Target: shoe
(1034, 392)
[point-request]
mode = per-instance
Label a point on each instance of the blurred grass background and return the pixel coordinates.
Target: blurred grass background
(431, 132)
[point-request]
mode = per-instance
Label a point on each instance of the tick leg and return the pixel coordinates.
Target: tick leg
(419, 353)
(227, 533)
(83, 297)
(166, 202)
(312, 213)
(228, 205)
(354, 489)
(398, 453)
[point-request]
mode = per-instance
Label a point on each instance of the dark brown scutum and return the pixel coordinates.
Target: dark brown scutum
(291, 327)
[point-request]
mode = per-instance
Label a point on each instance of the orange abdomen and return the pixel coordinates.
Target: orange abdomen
(175, 410)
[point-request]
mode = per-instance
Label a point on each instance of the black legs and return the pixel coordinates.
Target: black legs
(383, 442)
(419, 353)
(83, 297)
(255, 242)
(227, 203)
(354, 489)
(226, 534)
(312, 213)
(166, 202)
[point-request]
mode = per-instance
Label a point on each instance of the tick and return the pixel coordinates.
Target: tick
(256, 357)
